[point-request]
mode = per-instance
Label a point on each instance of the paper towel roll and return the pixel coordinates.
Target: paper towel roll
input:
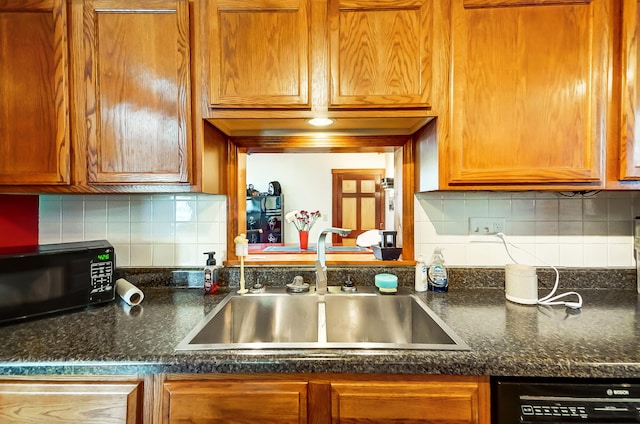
(128, 292)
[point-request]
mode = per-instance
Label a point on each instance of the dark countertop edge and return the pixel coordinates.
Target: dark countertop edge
(233, 363)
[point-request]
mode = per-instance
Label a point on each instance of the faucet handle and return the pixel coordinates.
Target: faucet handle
(348, 285)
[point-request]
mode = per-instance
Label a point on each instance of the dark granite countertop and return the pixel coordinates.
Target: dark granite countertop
(506, 339)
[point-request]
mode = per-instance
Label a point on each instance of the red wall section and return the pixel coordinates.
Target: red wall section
(18, 220)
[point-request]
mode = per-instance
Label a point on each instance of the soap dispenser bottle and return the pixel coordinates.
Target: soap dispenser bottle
(437, 278)
(211, 274)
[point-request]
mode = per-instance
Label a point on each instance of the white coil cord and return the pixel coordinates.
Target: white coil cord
(550, 299)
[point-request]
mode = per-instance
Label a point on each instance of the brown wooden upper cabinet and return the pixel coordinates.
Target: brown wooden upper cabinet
(529, 96)
(381, 53)
(629, 157)
(133, 97)
(34, 93)
(309, 54)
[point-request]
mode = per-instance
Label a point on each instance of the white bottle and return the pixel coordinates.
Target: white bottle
(421, 275)
(437, 277)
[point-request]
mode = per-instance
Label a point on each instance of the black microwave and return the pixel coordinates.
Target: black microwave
(48, 278)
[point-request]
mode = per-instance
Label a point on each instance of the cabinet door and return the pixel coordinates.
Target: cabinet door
(381, 53)
(71, 402)
(34, 92)
(530, 91)
(137, 102)
(432, 402)
(259, 53)
(630, 147)
(268, 402)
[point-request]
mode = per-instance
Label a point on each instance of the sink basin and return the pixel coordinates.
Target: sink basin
(365, 319)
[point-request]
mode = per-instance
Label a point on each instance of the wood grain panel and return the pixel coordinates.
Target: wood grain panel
(137, 91)
(34, 110)
(530, 92)
(629, 161)
(259, 54)
(431, 402)
(71, 402)
(274, 402)
(380, 53)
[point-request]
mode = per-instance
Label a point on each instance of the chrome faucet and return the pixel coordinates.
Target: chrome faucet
(321, 262)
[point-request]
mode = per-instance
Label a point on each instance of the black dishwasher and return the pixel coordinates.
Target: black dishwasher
(549, 401)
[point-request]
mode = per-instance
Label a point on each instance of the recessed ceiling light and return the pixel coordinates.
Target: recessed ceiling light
(320, 122)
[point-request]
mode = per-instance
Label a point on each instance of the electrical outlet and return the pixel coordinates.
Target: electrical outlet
(486, 226)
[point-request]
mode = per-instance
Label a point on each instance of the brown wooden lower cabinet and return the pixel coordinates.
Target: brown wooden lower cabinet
(319, 399)
(57, 402)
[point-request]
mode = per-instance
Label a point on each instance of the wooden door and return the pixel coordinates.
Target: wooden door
(630, 100)
(530, 92)
(134, 94)
(34, 92)
(381, 53)
(358, 202)
(259, 53)
(430, 402)
(229, 402)
(71, 402)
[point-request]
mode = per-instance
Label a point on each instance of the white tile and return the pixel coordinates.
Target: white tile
(186, 232)
(163, 255)
(50, 232)
(523, 209)
(594, 209)
(73, 209)
(570, 228)
(547, 254)
(476, 207)
(429, 207)
(207, 232)
(186, 210)
(595, 228)
(571, 255)
(208, 210)
(453, 210)
(95, 231)
(141, 210)
(620, 209)
(500, 208)
(141, 255)
(620, 255)
(546, 209)
(50, 209)
(188, 255)
(142, 232)
(95, 211)
(118, 232)
(72, 231)
(123, 254)
(163, 210)
(164, 232)
(570, 209)
(596, 255)
(118, 211)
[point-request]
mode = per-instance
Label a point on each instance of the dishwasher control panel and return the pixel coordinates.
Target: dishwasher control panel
(530, 402)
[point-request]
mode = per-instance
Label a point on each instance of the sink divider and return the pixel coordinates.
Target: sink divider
(322, 322)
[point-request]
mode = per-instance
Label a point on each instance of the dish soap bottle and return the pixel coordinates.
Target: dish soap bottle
(421, 275)
(437, 279)
(211, 282)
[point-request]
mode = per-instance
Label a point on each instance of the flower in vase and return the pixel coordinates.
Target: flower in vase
(303, 220)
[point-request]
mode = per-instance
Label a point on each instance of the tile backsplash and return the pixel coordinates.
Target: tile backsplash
(562, 229)
(146, 230)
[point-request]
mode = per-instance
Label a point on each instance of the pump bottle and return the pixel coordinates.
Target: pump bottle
(211, 274)
(437, 278)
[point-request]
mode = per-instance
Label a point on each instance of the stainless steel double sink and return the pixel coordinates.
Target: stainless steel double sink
(365, 319)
